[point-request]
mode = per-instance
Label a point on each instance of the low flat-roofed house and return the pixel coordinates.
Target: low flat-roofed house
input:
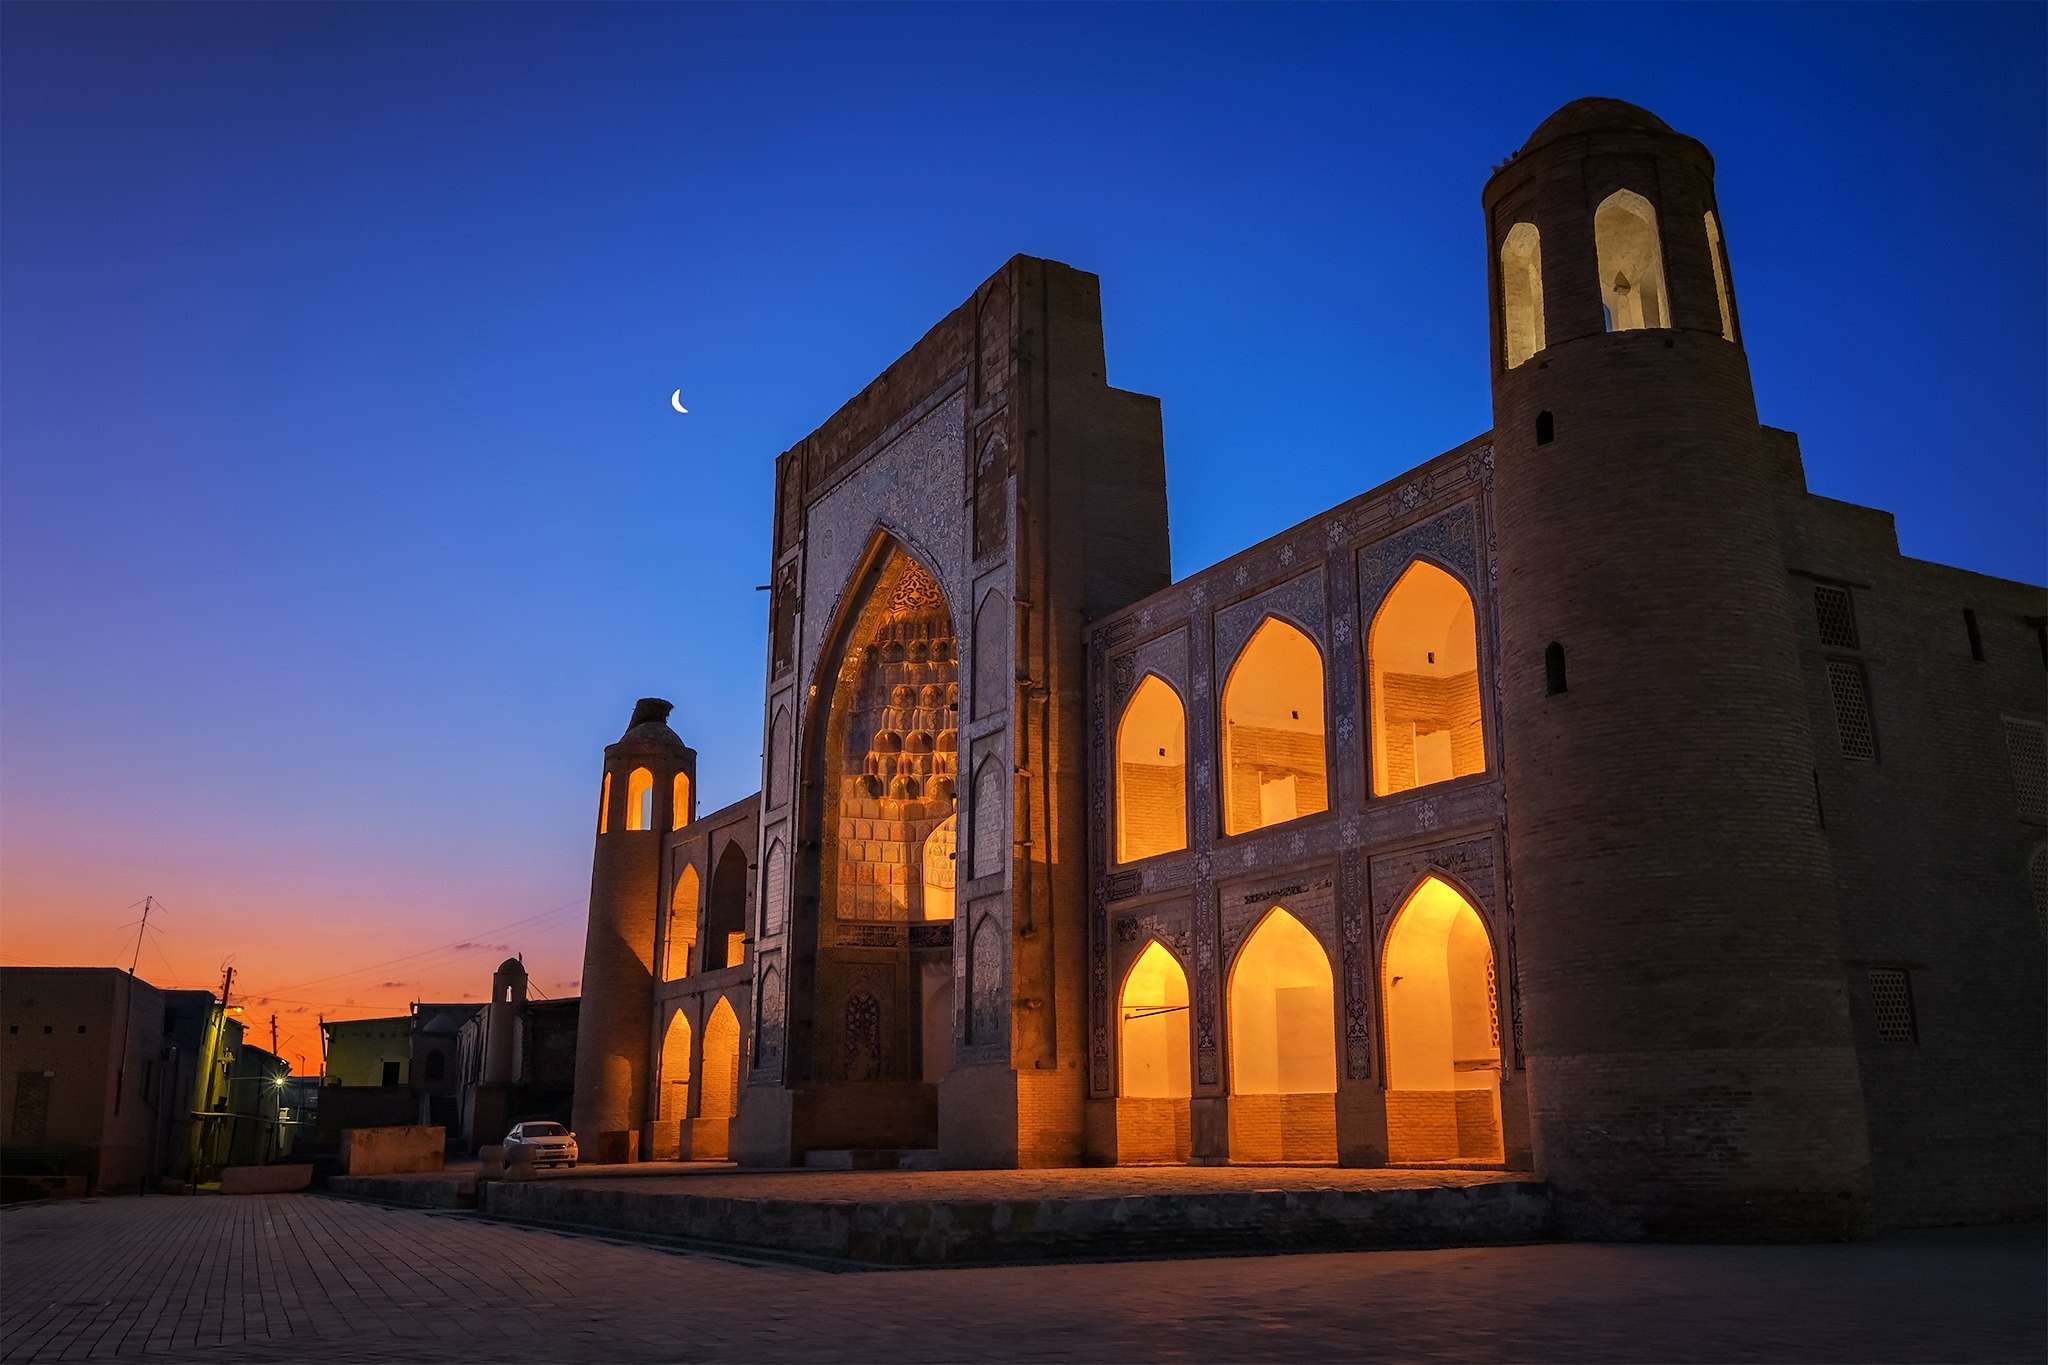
(87, 1089)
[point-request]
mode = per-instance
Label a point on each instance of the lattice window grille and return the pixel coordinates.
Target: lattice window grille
(2026, 745)
(2039, 873)
(1836, 615)
(1891, 995)
(1493, 1005)
(1852, 709)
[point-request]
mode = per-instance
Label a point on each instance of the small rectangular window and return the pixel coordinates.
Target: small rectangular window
(1852, 710)
(1976, 636)
(2026, 747)
(1891, 997)
(1836, 615)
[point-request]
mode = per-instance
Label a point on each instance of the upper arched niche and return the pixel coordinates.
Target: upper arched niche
(1521, 293)
(1151, 773)
(1631, 260)
(1423, 656)
(1275, 768)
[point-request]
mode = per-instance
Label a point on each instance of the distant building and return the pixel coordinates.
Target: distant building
(515, 1059)
(366, 1052)
(435, 1069)
(121, 1084)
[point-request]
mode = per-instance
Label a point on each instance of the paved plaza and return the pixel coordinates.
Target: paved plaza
(314, 1278)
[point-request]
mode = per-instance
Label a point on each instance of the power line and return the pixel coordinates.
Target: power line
(462, 945)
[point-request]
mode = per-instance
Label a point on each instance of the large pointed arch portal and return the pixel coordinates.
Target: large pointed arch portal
(877, 780)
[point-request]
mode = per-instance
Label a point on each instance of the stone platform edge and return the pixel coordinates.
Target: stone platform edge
(928, 1232)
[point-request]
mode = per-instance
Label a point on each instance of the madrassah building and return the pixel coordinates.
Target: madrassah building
(1591, 799)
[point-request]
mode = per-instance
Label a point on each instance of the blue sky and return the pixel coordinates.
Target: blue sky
(343, 515)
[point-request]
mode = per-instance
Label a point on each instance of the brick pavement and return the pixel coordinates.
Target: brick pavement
(304, 1277)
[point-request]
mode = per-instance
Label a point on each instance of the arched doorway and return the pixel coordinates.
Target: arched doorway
(1442, 1030)
(672, 1107)
(1152, 1048)
(1283, 1045)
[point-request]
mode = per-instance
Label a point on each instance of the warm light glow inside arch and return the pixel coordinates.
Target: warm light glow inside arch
(1631, 263)
(679, 812)
(675, 1070)
(1151, 773)
(721, 1082)
(1521, 293)
(1153, 1038)
(1719, 254)
(1283, 1018)
(640, 799)
(1275, 767)
(1423, 653)
(682, 923)
(1442, 1028)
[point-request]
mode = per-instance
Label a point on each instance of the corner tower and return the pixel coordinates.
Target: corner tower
(1690, 1056)
(650, 780)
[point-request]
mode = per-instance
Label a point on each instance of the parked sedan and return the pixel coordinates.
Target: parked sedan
(550, 1143)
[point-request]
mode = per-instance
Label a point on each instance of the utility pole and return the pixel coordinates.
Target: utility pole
(128, 1008)
(273, 1035)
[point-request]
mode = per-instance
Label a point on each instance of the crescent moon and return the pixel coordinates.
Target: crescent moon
(675, 400)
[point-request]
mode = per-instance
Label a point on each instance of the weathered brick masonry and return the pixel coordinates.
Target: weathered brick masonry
(1745, 838)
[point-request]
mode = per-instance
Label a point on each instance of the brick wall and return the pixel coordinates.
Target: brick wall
(1409, 703)
(1443, 1125)
(1152, 809)
(1283, 1128)
(1259, 754)
(1151, 1131)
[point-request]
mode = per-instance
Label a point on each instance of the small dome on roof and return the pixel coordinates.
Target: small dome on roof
(1595, 114)
(511, 966)
(650, 724)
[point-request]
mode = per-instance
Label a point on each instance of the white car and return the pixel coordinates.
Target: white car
(550, 1143)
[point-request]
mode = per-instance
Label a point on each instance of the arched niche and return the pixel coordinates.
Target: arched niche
(775, 890)
(1423, 651)
(721, 1080)
(725, 917)
(1283, 1045)
(673, 1105)
(640, 799)
(777, 785)
(1275, 762)
(1521, 293)
(1153, 1085)
(1151, 773)
(1442, 1030)
(680, 811)
(604, 806)
(1631, 261)
(1717, 250)
(683, 902)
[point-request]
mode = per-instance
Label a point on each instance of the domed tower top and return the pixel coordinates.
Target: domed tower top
(650, 775)
(1604, 221)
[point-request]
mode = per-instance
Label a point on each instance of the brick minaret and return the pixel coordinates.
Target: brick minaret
(615, 1022)
(1690, 1059)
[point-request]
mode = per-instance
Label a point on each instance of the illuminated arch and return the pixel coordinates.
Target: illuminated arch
(1631, 263)
(1719, 252)
(1423, 653)
(640, 799)
(939, 869)
(1275, 767)
(674, 1104)
(679, 805)
(1283, 1019)
(725, 917)
(1442, 1029)
(721, 1080)
(682, 923)
(1521, 293)
(604, 806)
(1152, 1039)
(1151, 773)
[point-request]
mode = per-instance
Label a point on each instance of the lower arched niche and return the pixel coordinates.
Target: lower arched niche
(672, 1104)
(1442, 1031)
(1283, 1045)
(1152, 1122)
